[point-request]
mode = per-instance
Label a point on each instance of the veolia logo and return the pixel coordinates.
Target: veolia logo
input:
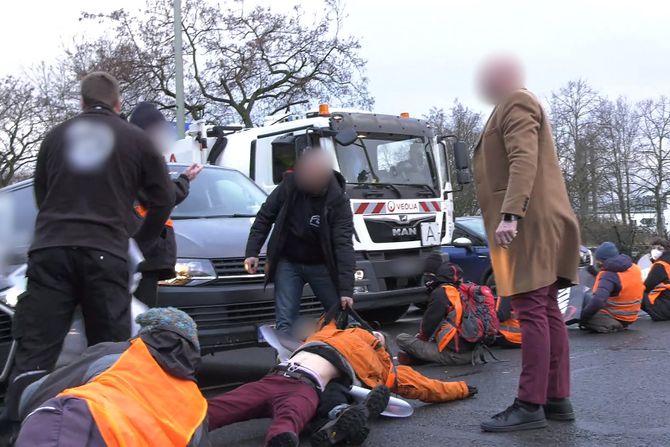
(390, 206)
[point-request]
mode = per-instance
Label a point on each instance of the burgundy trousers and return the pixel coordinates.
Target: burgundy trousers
(545, 352)
(290, 403)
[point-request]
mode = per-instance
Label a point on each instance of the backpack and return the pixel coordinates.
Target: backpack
(479, 321)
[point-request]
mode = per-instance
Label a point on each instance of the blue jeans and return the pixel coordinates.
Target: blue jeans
(290, 279)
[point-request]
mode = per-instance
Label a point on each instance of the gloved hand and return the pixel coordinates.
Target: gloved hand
(472, 391)
(405, 359)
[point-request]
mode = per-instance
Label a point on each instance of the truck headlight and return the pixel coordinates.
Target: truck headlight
(191, 271)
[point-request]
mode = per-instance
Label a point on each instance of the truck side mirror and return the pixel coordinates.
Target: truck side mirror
(346, 137)
(462, 163)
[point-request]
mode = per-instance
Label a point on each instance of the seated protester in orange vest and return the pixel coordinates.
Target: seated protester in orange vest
(136, 393)
(160, 260)
(509, 332)
(617, 292)
(290, 393)
(656, 301)
(442, 336)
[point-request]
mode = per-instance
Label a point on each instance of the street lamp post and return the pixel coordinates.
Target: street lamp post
(179, 70)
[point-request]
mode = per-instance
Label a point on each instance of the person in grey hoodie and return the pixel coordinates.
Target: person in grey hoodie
(617, 292)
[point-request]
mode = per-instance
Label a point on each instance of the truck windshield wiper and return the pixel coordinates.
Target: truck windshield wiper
(365, 185)
(214, 216)
(428, 188)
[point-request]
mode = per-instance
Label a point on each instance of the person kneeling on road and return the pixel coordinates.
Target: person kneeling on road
(141, 392)
(617, 292)
(459, 318)
(509, 331)
(656, 301)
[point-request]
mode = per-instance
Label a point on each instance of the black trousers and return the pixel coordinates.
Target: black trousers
(59, 279)
(147, 289)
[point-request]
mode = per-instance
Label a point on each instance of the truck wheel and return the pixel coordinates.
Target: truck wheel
(385, 315)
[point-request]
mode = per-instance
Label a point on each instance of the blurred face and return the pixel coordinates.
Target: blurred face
(498, 77)
(314, 171)
(162, 136)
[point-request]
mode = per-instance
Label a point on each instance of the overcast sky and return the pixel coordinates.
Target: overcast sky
(425, 53)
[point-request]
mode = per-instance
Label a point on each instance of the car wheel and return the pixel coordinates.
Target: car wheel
(385, 315)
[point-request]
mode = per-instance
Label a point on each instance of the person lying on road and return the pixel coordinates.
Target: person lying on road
(141, 392)
(617, 292)
(459, 318)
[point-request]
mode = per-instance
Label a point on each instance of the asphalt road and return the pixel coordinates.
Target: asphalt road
(621, 393)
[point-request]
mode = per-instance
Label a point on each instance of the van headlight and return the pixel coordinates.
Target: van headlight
(10, 296)
(191, 272)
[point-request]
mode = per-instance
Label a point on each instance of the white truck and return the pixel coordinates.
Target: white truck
(397, 177)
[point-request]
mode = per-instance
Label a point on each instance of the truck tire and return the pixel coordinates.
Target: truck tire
(385, 315)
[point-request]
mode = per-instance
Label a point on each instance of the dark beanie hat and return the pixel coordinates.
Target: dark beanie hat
(432, 263)
(146, 115)
(606, 251)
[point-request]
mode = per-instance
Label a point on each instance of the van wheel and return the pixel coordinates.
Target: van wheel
(385, 315)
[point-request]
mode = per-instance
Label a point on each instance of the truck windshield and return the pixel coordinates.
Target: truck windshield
(219, 193)
(375, 159)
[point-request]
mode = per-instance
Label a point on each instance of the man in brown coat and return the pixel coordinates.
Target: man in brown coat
(534, 241)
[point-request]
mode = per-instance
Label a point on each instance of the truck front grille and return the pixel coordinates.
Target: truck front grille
(5, 328)
(238, 314)
(382, 231)
(231, 271)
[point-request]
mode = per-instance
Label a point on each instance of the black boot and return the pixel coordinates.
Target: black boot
(376, 401)
(349, 425)
(559, 410)
(286, 439)
(518, 416)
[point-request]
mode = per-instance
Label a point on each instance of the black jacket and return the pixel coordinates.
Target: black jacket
(89, 172)
(161, 258)
(336, 230)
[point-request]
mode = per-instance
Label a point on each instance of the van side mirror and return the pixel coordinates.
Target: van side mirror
(346, 137)
(462, 163)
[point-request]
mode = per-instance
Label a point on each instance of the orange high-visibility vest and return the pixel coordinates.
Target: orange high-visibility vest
(447, 331)
(626, 305)
(510, 329)
(135, 403)
(142, 212)
(662, 287)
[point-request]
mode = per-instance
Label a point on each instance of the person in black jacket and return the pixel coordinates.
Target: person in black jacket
(158, 262)
(656, 301)
(311, 241)
(89, 172)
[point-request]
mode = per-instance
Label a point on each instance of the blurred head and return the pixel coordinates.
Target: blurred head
(500, 75)
(148, 118)
(314, 171)
(100, 87)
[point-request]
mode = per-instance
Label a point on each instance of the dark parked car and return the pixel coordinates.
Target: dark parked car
(210, 284)
(470, 250)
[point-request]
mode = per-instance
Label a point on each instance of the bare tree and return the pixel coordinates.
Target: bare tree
(654, 173)
(573, 111)
(21, 127)
(466, 125)
(238, 63)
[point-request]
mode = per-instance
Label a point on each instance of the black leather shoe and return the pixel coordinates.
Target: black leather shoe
(376, 401)
(516, 417)
(349, 425)
(559, 410)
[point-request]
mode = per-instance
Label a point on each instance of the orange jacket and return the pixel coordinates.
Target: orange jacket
(135, 403)
(142, 212)
(448, 329)
(662, 287)
(626, 305)
(373, 365)
(510, 328)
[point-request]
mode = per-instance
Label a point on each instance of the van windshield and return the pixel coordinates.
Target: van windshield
(219, 193)
(373, 159)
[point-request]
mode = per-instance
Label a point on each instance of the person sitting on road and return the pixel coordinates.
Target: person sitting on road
(617, 292)
(656, 301)
(140, 392)
(442, 337)
(333, 353)
(509, 331)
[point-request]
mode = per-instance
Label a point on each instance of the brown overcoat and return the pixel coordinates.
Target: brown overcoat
(517, 172)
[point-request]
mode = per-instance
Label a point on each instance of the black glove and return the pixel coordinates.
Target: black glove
(472, 391)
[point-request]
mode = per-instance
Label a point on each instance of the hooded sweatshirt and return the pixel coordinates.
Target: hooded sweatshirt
(609, 285)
